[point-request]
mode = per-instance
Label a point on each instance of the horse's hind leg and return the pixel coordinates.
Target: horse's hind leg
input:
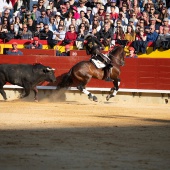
(85, 91)
(114, 90)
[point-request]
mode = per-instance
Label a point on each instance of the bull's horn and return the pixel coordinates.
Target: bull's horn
(50, 69)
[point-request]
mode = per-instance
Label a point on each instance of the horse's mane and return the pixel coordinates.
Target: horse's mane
(114, 51)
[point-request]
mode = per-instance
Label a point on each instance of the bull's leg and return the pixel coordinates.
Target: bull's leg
(27, 89)
(3, 93)
(90, 95)
(35, 94)
(114, 90)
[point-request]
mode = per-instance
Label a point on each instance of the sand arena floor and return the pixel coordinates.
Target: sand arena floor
(75, 135)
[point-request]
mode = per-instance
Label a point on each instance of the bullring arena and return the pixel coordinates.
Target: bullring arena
(64, 130)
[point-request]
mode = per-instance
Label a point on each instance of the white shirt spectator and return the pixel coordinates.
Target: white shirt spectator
(7, 6)
(108, 10)
(84, 8)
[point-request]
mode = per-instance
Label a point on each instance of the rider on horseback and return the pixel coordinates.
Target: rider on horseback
(94, 47)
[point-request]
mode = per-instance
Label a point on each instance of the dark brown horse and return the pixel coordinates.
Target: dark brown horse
(81, 73)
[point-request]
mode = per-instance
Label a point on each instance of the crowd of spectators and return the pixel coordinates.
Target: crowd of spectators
(69, 21)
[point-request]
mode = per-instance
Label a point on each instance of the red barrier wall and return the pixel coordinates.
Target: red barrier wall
(136, 74)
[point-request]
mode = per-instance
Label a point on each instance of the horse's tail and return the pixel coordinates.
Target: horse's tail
(66, 80)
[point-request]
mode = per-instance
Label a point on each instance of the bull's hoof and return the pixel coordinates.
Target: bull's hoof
(35, 100)
(95, 99)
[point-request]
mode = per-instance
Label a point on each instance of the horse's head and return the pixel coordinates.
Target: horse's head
(117, 55)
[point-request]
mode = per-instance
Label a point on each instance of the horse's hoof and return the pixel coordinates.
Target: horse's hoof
(95, 99)
(109, 96)
(90, 96)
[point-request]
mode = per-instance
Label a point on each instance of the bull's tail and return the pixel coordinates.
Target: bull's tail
(66, 80)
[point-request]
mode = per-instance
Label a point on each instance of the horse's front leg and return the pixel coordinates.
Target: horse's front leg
(89, 94)
(114, 89)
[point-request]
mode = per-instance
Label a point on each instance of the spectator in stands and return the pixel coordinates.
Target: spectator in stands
(67, 21)
(71, 35)
(152, 35)
(96, 8)
(31, 25)
(131, 53)
(132, 23)
(157, 17)
(123, 19)
(140, 44)
(76, 15)
(43, 18)
(63, 11)
(153, 23)
(164, 24)
(130, 34)
(14, 50)
(5, 25)
(7, 15)
(17, 25)
(51, 24)
(164, 13)
(145, 17)
(60, 33)
(35, 12)
(73, 22)
(41, 26)
(135, 20)
(66, 53)
(89, 15)
(41, 6)
(22, 13)
(82, 16)
(119, 34)
(110, 4)
(96, 22)
(82, 32)
(46, 34)
(101, 14)
(106, 35)
(61, 22)
(53, 8)
(57, 19)
(82, 6)
(49, 12)
(37, 31)
(94, 32)
(113, 14)
(35, 44)
(25, 34)
(163, 39)
(7, 5)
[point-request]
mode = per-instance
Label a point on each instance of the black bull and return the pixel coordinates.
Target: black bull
(25, 75)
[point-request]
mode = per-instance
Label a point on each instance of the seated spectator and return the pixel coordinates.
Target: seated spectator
(134, 19)
(76, 15)
(82, 32)
(66, 53)
(37, 31)
(59, 34)
(49, 12)
(35, 44)
(25, 34)
(52, 26)
(157, 17)
(164, 13)
(97, 23)
(119, 34)
(113, 14)
(41, 5)
(67, 21)
(130, 34)
(152, 35)
(152, 22)
(163, 39)
(140, 44)
(71, 35)
(164, 24)
(21, 14)
(131, 53)
(106, 35)
(89, 15)
(17, 26)
(95, 32)
(46, 34)
(35, 11)
(31, 25)
(14, 50)
(43, 18)
(57, 19)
